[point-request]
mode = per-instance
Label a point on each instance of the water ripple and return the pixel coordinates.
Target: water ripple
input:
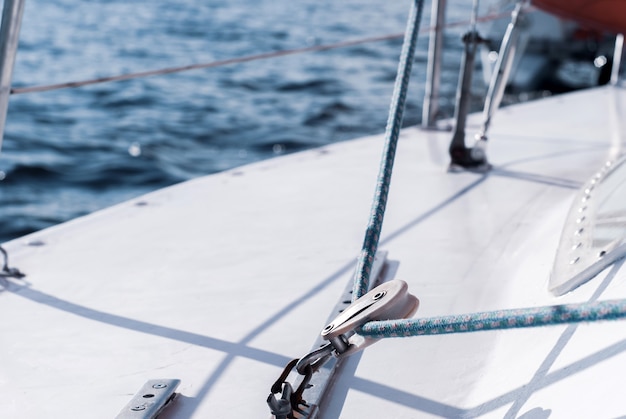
(69, 152)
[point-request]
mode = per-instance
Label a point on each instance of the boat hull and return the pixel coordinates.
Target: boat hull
(603, 15)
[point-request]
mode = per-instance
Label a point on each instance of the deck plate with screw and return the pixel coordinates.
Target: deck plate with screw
(150, 400)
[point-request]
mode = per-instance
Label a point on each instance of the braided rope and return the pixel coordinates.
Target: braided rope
(392, 133)
(498, 320)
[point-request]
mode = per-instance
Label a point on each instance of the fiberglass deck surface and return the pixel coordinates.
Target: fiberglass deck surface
(221, 280)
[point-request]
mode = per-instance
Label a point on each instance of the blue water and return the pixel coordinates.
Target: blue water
(69, 152)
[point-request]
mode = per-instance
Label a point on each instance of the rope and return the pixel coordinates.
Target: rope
(237, 60)
(497, 320)
(392, 133)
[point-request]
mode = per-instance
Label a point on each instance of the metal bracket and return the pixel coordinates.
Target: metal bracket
(6, 271)
(499, 79)
(317, 369)
(387, 301)
(150, 400)
(315, 386)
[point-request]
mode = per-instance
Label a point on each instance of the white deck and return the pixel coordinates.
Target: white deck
(221, 280)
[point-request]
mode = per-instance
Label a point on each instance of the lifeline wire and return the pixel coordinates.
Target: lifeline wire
(498, 320)
(236, 60)
(392, 133)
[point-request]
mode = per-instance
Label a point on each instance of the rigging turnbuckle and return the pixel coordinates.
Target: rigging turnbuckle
(388, 301)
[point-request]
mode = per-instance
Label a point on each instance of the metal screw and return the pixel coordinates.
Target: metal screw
(159, 385)
(379, 295)
(138, 408)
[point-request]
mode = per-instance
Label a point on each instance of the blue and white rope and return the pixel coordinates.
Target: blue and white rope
(497, 320)
(392, 133)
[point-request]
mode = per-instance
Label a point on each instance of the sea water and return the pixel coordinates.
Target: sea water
(70, 152)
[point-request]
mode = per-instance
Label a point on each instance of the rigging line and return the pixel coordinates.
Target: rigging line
(237, 60)
(392, 134)
(497, 320)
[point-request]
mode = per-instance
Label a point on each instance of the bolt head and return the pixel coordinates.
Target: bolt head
(379, 295)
